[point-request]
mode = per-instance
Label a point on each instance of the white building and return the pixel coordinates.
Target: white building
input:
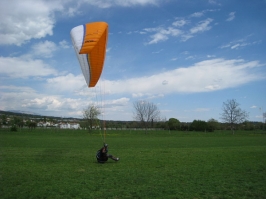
(69, 126)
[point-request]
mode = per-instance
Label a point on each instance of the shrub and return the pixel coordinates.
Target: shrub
(13, 128)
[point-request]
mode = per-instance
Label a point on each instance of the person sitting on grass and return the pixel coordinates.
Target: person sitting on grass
(102, 155)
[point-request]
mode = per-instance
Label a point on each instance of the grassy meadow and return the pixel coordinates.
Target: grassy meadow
(61, 164)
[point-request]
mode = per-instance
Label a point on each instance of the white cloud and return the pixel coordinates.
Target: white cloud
(53, 103)
(180, 23)
(124, 3)
(21, 21)
(22, 89)
(12, 97)
(202, 26)
(186, 37)
(197, 14)
(116, 102)
(69, 83)
(162, 34)
(44, 49)
(64, 44)
(253, 106)
(16, 67)
(200, 14)
(26, 98)
(238, 44)
(205, 76)
(231, 16)
(214, 2)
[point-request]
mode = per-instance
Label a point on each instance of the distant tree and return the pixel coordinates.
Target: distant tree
(4, 119)
(174, 124)
(232, 114)
(146, 113)
(246, 125)
(212, 124)
(198, 125)
(13, 128)
(17, 121)
(32, 125)
(83, 124)
(90, 115)
(162, 124)
(185, 126)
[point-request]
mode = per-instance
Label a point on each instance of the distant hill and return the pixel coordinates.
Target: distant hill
(22, 112)
(16, 112)
(30, 114)
(35, 115)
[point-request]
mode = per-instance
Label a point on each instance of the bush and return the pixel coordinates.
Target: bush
(13, 128)
(198, 125)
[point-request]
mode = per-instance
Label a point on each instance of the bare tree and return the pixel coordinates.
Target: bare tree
(90, 114)
(232, 114)
(146, 112)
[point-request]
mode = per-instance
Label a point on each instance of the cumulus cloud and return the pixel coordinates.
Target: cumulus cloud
(67, 82)
(64, 44)
(16, 89)
(12, 97)
(116, 102)
(16, 67)
(44, 49)
(21, 21)
(53, 103)
(26, 98)
(205, 76)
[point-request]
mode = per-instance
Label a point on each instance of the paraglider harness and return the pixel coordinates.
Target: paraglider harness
(101, 154)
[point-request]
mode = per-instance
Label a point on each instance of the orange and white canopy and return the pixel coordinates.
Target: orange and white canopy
(90, 41)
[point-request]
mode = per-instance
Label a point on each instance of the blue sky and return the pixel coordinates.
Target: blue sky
(187, 57)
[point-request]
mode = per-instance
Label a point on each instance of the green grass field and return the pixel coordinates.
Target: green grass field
(61, 164)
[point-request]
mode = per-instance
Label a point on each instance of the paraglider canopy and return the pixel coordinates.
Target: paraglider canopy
(89, 42)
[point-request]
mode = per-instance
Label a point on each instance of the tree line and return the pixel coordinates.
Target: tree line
(147, 116)
(16, 122)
